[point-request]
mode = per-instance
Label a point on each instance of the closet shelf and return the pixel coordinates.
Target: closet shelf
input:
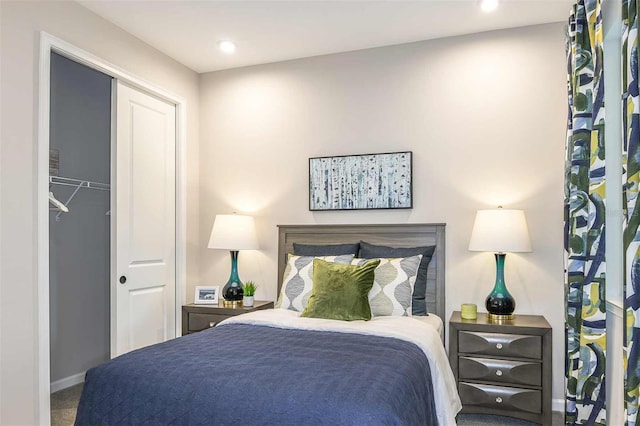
(58, 180)
(77, 184)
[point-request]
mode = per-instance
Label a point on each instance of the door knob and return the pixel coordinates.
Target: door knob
(123, 279)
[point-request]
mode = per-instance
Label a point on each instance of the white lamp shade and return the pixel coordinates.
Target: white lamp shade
(233, 232)
(500, 231)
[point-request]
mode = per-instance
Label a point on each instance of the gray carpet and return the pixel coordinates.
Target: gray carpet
(486, 420)
(65, 402)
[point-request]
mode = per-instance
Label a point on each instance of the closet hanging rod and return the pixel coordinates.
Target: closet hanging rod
(77, 184)
(58, 180)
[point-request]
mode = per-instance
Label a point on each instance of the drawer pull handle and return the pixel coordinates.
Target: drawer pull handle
(499, 400)
(212, 324)
(498, 373)
(498, 345)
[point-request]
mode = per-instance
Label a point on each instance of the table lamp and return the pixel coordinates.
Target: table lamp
(500, 231)
(233, 232)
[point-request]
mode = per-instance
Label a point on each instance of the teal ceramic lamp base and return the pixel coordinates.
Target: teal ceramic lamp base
(232, 290)
(500, 304)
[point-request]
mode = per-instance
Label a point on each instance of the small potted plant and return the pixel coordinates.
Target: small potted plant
(249, 290)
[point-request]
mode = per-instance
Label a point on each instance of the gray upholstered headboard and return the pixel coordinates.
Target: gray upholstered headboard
(399, 235)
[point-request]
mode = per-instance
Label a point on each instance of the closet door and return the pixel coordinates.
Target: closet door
(144, 221)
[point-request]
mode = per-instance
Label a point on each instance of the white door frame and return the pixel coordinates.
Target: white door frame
(48, 44)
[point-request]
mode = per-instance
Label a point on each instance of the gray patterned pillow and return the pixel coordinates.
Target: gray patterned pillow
(372, 251)
(297, 280)
(393, 283)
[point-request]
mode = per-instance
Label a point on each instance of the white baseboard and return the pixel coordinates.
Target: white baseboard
(67, 382)
(615, 308)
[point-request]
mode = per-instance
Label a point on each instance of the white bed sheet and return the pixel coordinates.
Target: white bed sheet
(433, 320)
(424, 333)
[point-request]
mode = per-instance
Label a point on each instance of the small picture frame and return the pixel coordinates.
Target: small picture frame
(206, 295)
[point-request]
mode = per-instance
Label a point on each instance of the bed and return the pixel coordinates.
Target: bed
(275, 367)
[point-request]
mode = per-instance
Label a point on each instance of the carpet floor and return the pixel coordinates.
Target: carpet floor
(486, 420)
(65, 402)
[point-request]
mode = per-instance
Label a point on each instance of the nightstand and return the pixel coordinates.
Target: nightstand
(198, 317)
(503, 368)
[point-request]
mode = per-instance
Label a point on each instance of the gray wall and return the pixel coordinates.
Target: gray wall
(79, 240)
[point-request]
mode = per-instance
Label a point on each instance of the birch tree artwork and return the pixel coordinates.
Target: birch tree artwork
(353, 182)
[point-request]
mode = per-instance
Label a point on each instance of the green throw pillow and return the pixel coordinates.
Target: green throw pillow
(297, 281)
(341, 292)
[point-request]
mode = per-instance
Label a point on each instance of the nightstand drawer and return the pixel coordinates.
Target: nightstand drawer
(500, 370)
(200, 317)
(498, 344)
(198, 322)
(499, 397)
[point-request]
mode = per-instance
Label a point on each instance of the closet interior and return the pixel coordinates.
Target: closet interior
(79, 220)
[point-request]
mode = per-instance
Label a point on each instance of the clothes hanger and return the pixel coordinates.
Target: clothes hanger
(53, 200)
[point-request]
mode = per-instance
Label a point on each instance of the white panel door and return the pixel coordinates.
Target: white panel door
(145, 221)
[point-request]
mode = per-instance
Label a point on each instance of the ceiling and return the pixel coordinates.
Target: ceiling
(272, 31)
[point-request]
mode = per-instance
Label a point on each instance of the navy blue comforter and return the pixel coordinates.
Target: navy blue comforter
(240, 374)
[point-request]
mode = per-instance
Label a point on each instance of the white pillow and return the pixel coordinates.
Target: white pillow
(392, 290)
(297, 280)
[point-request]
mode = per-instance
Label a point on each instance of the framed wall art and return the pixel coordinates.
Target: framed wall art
(357, 182)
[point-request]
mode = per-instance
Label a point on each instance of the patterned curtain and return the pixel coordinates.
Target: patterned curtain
(630, 182)
(585, 219)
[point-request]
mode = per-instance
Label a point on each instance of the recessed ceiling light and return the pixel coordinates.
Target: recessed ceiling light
(488, 5)
(227, 46)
